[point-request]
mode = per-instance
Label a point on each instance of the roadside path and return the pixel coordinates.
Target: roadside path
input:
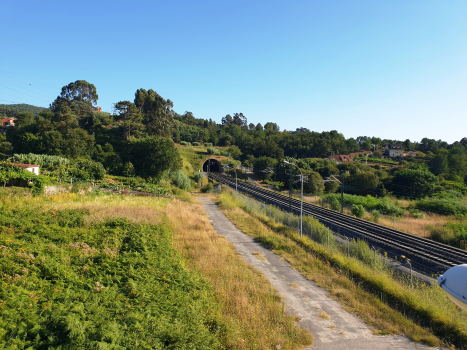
(304, 298)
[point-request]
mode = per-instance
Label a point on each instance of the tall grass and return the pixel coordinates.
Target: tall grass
(378, 298)
(250, 313)
(252, 308)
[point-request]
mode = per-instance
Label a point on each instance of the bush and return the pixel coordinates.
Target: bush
(185, 143)
(212, 150)
(384, 205)
(336, 205)
(416, 213)
(198, 177)
(207, 188)
(442, 206)
(87, 170)
(225, 153)
(376, 215)
(180, 180)
(358, 210)
(196, 143)
(208, 144)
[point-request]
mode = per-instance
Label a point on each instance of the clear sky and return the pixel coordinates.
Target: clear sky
(387, 68)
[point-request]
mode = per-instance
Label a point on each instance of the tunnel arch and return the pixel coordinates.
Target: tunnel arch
(214, 165)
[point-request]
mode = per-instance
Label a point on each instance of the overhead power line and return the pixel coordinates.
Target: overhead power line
(23, 88)
(6, 73)
(24, 93)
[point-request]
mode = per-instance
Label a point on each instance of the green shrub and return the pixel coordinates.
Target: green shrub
(358, 210)
(384, 205)
(196, 143)
(198, 177)
(208, 144)
(207, 188)
(111, 285)
(180, 180)
(212, 150)
(225, 153)
(87, 170)
(442, 206)
(416, 213)
(335, 205)
(376, 215)
(185, 143)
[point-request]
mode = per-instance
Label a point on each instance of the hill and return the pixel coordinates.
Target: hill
(13, 109)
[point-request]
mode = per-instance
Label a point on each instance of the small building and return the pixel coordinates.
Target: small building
(394, 150)
(341, 158)
(7, 122)
(29, 167)
(410, 153)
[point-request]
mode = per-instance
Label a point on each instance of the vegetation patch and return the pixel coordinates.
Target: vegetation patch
(114, 284)
(376, 296)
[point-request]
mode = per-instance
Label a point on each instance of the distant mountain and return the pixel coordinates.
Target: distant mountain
(13, 110)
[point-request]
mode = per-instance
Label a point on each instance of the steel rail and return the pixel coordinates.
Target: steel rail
(419, 247)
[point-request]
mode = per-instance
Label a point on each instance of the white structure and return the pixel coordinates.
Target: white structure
(454, 283)
(394, 150)
(29, 167)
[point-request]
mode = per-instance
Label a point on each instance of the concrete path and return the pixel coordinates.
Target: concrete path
(304, 298)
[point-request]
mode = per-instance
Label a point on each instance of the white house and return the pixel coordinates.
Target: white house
(29, 167)
(394, 150)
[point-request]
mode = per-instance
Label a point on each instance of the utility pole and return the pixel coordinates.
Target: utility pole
(290, 191)
(275, 170)
(342, 191)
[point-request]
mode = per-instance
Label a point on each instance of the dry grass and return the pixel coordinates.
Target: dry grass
(406, 223)
(416, 226)
(324, 315)
(251, 309)
(251, 306)
(259, 256)
(371, 309)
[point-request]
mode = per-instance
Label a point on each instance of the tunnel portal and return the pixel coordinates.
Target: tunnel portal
(213, 165)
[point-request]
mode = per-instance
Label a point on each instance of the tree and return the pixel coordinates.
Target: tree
(129, 116)
(457, 160)
(227, 120)
(157, 112)
(271, 127)
(413, 183)
(439, 163)
(407, 144)
(234, 152)
(80, 96)
(352, 145)
(363, 182)
(259, 127)
(263, 167)
(153, 156)
(313, 183)
(240, 120)
(24, 118)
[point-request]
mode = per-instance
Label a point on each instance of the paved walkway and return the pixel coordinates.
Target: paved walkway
(304, 298)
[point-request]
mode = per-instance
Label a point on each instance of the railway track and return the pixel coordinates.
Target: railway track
(425, 254)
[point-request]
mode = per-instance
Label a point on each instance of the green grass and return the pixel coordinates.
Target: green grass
(112, 284)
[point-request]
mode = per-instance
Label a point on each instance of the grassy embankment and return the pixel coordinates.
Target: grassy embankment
(380, 300)
(129, 272)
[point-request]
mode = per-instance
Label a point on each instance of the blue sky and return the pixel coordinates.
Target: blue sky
(392, 69)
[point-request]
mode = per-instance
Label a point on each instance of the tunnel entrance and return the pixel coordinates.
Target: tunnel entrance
(212, 165)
